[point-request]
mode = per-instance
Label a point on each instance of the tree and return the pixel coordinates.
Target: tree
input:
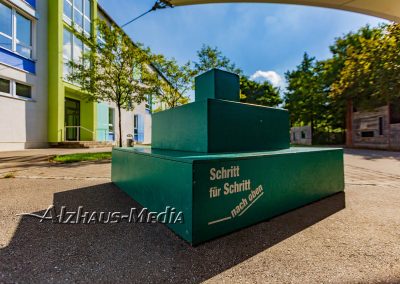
(304, 97)
(178, 80)
(115, 70)
(211, 57)
(342, 50)
(370, 73)
(259, 93)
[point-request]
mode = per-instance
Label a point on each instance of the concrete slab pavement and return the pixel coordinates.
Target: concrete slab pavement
(347, 238)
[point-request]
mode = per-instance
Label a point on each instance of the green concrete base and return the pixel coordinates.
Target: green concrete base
(221, 193)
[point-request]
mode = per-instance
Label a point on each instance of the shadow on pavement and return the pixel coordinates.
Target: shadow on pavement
(136, 253)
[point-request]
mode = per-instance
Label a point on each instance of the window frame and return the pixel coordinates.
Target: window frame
(73, 39)
(111, 124)
(14, 40)
(13, 89)
(9, 87)
(82, 14)
(23, 84)
(147, 102)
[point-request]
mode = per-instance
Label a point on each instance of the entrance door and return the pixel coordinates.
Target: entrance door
(72, 118)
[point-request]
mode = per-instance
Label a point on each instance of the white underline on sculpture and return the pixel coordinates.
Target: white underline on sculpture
(220, 220)
(241, 213)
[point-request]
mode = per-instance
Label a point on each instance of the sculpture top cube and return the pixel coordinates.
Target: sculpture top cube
(218, 123)
(217, 84)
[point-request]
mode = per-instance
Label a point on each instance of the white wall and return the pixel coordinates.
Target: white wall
(23, 123)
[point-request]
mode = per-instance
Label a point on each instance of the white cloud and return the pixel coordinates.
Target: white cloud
(274, 78)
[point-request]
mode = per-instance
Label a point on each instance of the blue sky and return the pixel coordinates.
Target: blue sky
(268, 38)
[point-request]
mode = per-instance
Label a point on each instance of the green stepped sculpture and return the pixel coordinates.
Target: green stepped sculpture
(225, 165)
(216, 122)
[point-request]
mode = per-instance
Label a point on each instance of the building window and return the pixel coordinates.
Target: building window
(22, 90)
(67, 51)
(138, 128)
(381, 126)
(367, 134)
(148, 103)
(24, 36)
(5, 86)
(15, 89)
(68, 11)
(111, 126)
(73, 49)
(79, 13)
(15, 31)
(5, 26)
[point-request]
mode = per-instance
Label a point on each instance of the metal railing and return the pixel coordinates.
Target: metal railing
(81, 129)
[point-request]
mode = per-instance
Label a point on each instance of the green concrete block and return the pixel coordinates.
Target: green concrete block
(212, 126)
(221, 193)
(217, 84)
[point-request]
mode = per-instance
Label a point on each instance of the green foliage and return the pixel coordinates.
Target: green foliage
(364, 69)
(109, 70)
(303, 96)
(259, 93)
(251, 92)
(370, 73)
(172, 94)
(211, 57)
(80, 157)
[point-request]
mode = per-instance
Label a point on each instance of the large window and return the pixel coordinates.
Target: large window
(67, 50)
(79, 13)
(73, 48)
(15, 31)
(5, 26)
(24, 36)
(138, 128)
(15, 89)
(111, 115)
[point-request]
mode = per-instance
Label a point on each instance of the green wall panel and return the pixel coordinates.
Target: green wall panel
(183, 128)
(285, 181)
(212, 126)
(217, 84)
(273, 183)
(235, 127)
(156, 182)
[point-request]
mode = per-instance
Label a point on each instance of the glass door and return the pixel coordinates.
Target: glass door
(72, 119)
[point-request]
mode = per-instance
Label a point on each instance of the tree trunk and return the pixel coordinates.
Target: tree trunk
(349, 123)
(119, 126)
(389, 125)
(312, 131)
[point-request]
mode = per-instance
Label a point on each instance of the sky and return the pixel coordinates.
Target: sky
(264, 40)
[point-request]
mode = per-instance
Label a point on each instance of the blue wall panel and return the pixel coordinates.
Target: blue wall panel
(102, 122)
(31, 2)
(14, 60)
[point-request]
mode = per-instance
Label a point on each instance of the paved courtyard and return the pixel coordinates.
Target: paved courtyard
(347, 238)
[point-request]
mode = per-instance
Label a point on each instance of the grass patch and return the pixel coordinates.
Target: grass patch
(9, 175)
(73, 158)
